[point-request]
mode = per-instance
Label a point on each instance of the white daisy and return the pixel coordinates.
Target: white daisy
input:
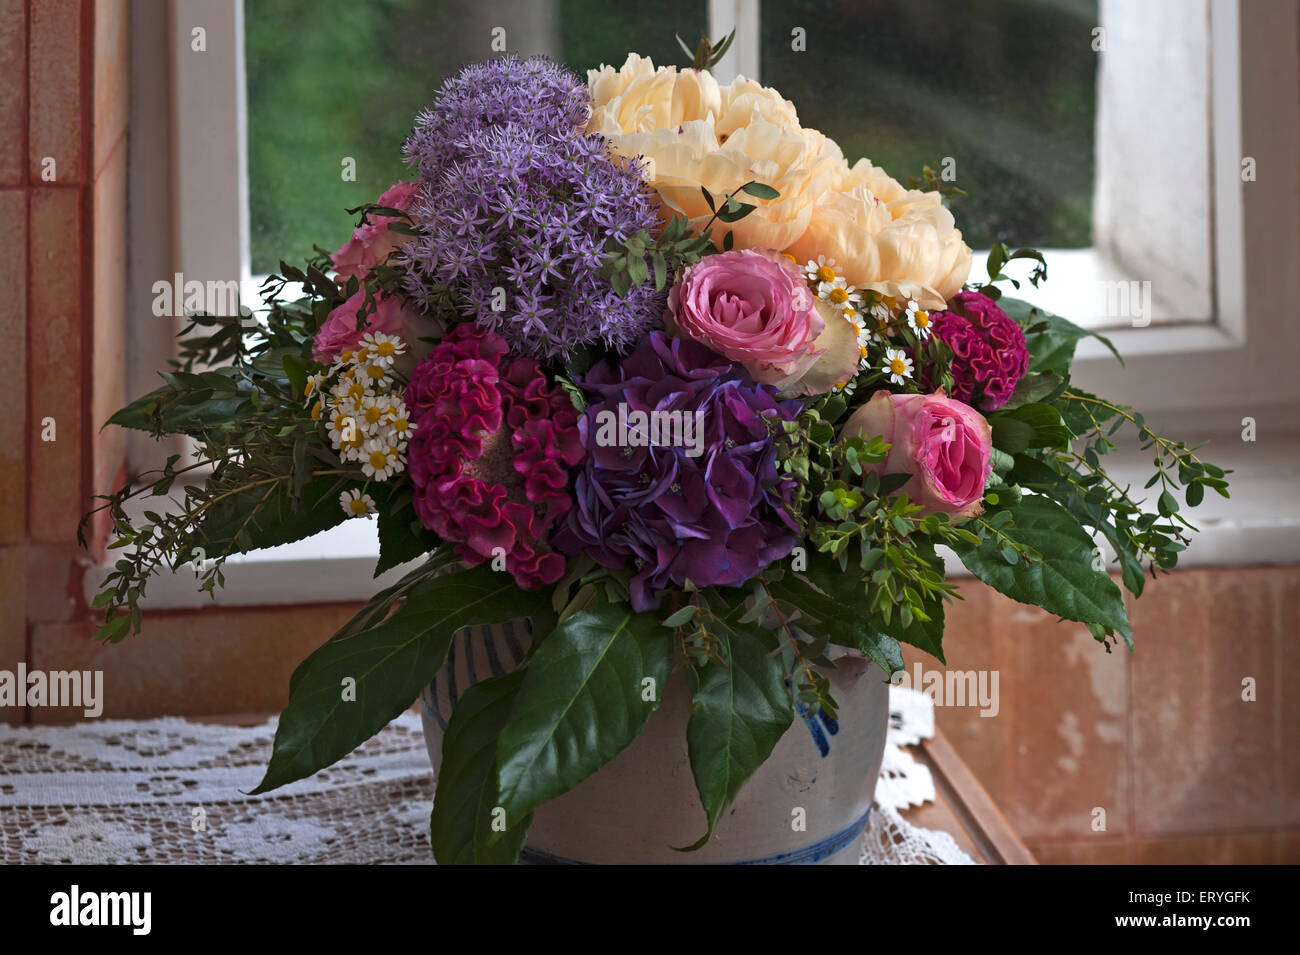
(381, 349)
(823, 270)
(379, 460)
(897, 365)
(356, 504)
(918, 319)
(839, 294)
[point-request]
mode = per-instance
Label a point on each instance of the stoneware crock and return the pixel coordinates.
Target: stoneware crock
(807, 804)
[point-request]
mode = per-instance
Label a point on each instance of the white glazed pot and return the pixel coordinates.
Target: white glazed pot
(807, 804)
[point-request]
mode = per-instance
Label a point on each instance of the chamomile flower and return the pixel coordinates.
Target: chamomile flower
(351, 387)
(401, 428)
(918, 319)
(314, 385)
(376, 374)
(840, 295)
(373, 413)
(823, 270)
(356, 504)
(897, 365)
(380, 460)
(380, 349)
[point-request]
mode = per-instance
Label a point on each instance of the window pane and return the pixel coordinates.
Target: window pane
(332, 79)
(1007, 89)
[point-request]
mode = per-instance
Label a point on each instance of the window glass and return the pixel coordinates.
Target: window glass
(332, 80)
(1006, 89)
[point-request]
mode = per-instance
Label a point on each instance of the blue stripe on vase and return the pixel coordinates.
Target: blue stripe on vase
(512, 642)
(808, 855)
(494, 661)
(469, 653)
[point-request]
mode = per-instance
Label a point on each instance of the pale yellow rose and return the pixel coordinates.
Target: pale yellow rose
(694, 133)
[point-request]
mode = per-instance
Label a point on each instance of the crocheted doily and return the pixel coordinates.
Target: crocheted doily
(168, 790)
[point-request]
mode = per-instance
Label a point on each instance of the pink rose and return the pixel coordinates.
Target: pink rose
(945, 445)
(371, 243)
(339, 332)
(751, 306)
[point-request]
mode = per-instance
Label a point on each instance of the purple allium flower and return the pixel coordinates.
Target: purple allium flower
(517, 209)
(989, 351)
(517, 228)
(535, 93)
(709, 509)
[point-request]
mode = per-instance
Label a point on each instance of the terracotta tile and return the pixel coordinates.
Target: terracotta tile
(1100, 852)
(1286, 703)
(54, 574)
(13, 92)
(108, 388)
(1069, 752)
(1203, 759)
(54, 99)
(13, 622)
(55, 496)
(112, 76)
(192, 663)
(13, 386)
(1219, 849)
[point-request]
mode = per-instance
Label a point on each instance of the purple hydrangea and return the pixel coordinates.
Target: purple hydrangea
(518, 208)
(535, 93)
(709, 507)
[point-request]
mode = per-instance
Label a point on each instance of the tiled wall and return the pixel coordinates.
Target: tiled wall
(1162, 740)
(63, 112)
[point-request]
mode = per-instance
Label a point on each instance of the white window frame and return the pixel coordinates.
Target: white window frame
(1222, 366)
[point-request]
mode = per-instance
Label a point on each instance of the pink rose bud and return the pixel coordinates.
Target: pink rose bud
(371, 243)
(945, 445)
(339, 332)
(754, 307)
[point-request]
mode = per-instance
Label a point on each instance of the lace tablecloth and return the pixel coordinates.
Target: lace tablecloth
(168, 790)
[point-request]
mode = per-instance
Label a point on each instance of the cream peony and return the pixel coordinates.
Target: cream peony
(694, 133)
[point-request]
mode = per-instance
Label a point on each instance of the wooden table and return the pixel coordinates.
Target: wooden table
(963, 809)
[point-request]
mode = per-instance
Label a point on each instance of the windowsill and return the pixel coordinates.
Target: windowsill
(1260, 524)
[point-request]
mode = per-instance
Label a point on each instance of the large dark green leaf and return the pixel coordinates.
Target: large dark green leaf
(142, 414)
(1063, 582)
(1051, 338)
(402, 537)
(582, 702)
(390, 662)
(460, 827)
(266, 516)
(738, 714)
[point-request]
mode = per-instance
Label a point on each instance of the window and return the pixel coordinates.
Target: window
(1148, 168)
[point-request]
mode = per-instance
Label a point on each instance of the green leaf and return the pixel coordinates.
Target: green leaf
(401, 536)
(739, 712)
(390, 662)
(190, 419)
(1048, 427)
(823, 592)
(266, 516)
(1051, 349)
(460, 826)
(1063, 582)
(581, 702)
(760, 190)
(1032, 388)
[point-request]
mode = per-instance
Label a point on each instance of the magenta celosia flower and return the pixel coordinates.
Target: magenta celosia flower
(989, 351)
(490, 456)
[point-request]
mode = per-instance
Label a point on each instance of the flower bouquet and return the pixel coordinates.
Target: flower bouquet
(648, 366)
